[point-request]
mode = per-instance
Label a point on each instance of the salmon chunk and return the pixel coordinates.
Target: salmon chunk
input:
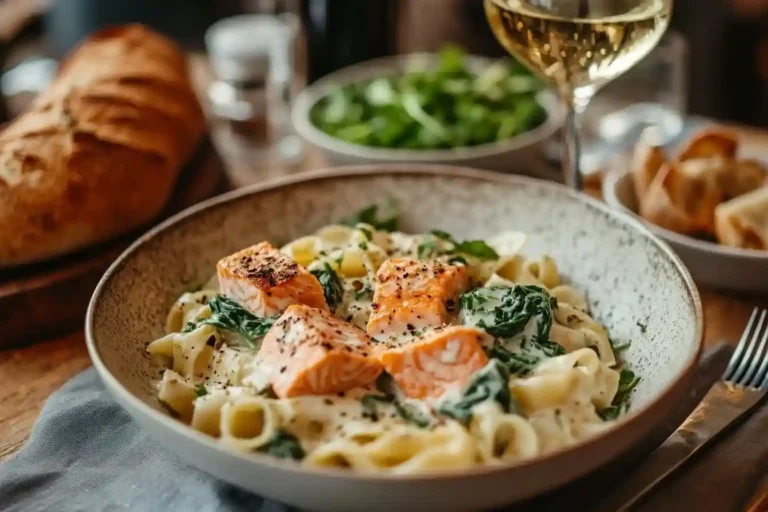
(266, 281)
(309, 352)
(428, 365)
(412, 294)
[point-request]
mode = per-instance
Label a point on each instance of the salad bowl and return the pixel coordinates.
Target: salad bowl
(520, 154)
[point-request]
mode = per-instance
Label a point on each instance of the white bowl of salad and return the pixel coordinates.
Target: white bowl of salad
(448, 108)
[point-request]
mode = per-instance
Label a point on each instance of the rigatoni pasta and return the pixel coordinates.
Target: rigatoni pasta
(425, 353)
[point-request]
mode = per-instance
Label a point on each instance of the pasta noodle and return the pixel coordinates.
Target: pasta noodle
(551, 379)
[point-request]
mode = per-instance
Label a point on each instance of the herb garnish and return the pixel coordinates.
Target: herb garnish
(231, 316)
(490, 383)
(283, 445)
(620, 405)
(333, 290)
(200, 390)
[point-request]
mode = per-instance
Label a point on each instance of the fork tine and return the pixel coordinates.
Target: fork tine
(736, 357)
(746, 359)
(752, 377)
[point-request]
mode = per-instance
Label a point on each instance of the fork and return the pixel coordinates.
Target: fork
(743, 384)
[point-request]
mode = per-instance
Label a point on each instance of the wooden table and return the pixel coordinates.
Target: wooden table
(29, 375)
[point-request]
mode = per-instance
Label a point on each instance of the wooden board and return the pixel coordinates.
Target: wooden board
(48, 299)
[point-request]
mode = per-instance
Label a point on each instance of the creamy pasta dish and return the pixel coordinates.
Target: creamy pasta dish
(366, 348)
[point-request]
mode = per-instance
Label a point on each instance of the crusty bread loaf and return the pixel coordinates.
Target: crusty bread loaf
(98, 153)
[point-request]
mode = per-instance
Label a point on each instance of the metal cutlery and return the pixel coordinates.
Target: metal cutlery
(743, 384)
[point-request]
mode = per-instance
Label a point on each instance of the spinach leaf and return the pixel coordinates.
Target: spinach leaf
(200, 390)
(516, 363)
(231, 316)
(490, 383)
(507, 314)
(476, 248)
(504, 311)
(523, 360)
(283, 445)
(390, 394)
(332, 287)
(620, 404)
(426, 250)
(370, 215)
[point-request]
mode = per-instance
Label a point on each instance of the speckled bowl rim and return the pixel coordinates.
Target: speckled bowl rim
(384, 66)
(734, 254)
(393, 170)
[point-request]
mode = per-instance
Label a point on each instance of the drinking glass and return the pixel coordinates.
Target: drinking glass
(578, 46)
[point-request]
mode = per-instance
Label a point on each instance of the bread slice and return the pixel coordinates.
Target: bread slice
(98, 153)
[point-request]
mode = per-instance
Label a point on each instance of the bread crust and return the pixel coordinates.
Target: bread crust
(98, 153)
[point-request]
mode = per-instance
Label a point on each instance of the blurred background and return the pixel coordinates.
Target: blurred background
(712, 63)
(728, 62)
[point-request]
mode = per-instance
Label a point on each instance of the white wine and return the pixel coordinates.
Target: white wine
(583, 50)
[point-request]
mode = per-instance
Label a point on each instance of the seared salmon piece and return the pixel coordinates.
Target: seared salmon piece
(430, 364)
(309, 352)
(266, 281)
(412, 294)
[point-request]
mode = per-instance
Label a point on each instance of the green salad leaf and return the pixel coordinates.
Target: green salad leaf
(332, 287)
(231, 316)
(444, 106)
(284, 445)
(490, 383)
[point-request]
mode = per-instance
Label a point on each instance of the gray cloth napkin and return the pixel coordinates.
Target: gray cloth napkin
(85, 453)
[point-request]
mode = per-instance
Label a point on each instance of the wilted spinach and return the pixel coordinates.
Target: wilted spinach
(390, 394)
(620, 404)
(231, 316)
(523, 361)
(371, 215)
(332, 287)
(490, 383)
(477, 248)
(505, 311)
(283, 445)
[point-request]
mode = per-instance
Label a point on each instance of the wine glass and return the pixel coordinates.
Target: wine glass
(578, 46)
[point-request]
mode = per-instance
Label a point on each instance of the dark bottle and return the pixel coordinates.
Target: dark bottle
(344, 32)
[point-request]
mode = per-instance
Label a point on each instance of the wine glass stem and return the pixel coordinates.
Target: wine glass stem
(571, 143)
